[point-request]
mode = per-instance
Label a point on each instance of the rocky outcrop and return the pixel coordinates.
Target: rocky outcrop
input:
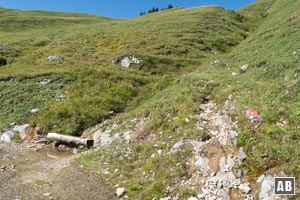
(127, 61)
(56, 58)
(16, 129)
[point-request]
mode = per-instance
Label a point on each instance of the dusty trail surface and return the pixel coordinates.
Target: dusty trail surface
(41, 172)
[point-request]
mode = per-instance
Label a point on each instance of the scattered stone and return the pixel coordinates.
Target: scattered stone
(227, 168)
(217, 61)
(34, 110)
(244, 68)
(176, 147)
(12, 124)
(203, 164)
(44, 82)
(223, 193)
(193, 198)
(166, 198)
(46, 194)
(21, 129)
(233, 134)
(75, 151)
(120, 192)
(267, 188)
(260, 179)
(55, 58)
(281, 123)
(159, 152)
(127, 136)
(60, 97)
(62, 147)
(5, 137)
(31, 146)
(234, 74)
(230, 161)
(128, 60)
(244, 188)
(81, 147)
(102, 139)
(241, 155)
(111, 112)
(296, 75)
(2, 168)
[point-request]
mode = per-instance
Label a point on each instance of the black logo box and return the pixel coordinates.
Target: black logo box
(284, 185)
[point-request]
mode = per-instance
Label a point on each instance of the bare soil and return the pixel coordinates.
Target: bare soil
(45, 173)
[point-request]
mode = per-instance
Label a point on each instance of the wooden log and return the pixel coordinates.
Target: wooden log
(70, 140)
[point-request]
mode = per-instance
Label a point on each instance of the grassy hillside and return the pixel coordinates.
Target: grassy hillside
(188, 56)
(271, 84)
(167, 42)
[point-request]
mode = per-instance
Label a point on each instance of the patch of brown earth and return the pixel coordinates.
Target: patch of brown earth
(215, 152)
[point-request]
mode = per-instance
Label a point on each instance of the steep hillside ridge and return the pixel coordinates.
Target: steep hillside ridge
(271, 85)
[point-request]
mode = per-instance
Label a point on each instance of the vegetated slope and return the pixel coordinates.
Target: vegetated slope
(19, 21)
(158, 100)
(168, 42)
(271, 85)
(167, 116)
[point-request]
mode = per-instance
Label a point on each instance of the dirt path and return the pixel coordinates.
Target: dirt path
(41, 172)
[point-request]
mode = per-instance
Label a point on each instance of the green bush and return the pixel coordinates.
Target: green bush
(3, 61)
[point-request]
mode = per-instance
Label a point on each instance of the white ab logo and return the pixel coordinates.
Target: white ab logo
(288, 186)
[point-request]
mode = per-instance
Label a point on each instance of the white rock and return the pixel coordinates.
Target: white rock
(241, 155)
(267, 188)
(227, 168)
(203, 164)
(21, 130)
(34, 110)
(102, 139)
(128, 60)
(127, 136)
(230, 160)
(55, 58)
(223, 193)
(193, 198)
(244, 68)
(44, 82)
(159, 151)
(244, 188)
(176, 146)
(75, 151)
(233, 134)
(260, 179)
(166, 198)
(5, 137)
(120, 192)
(234, 73)
(222, 163)
(12, 124)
